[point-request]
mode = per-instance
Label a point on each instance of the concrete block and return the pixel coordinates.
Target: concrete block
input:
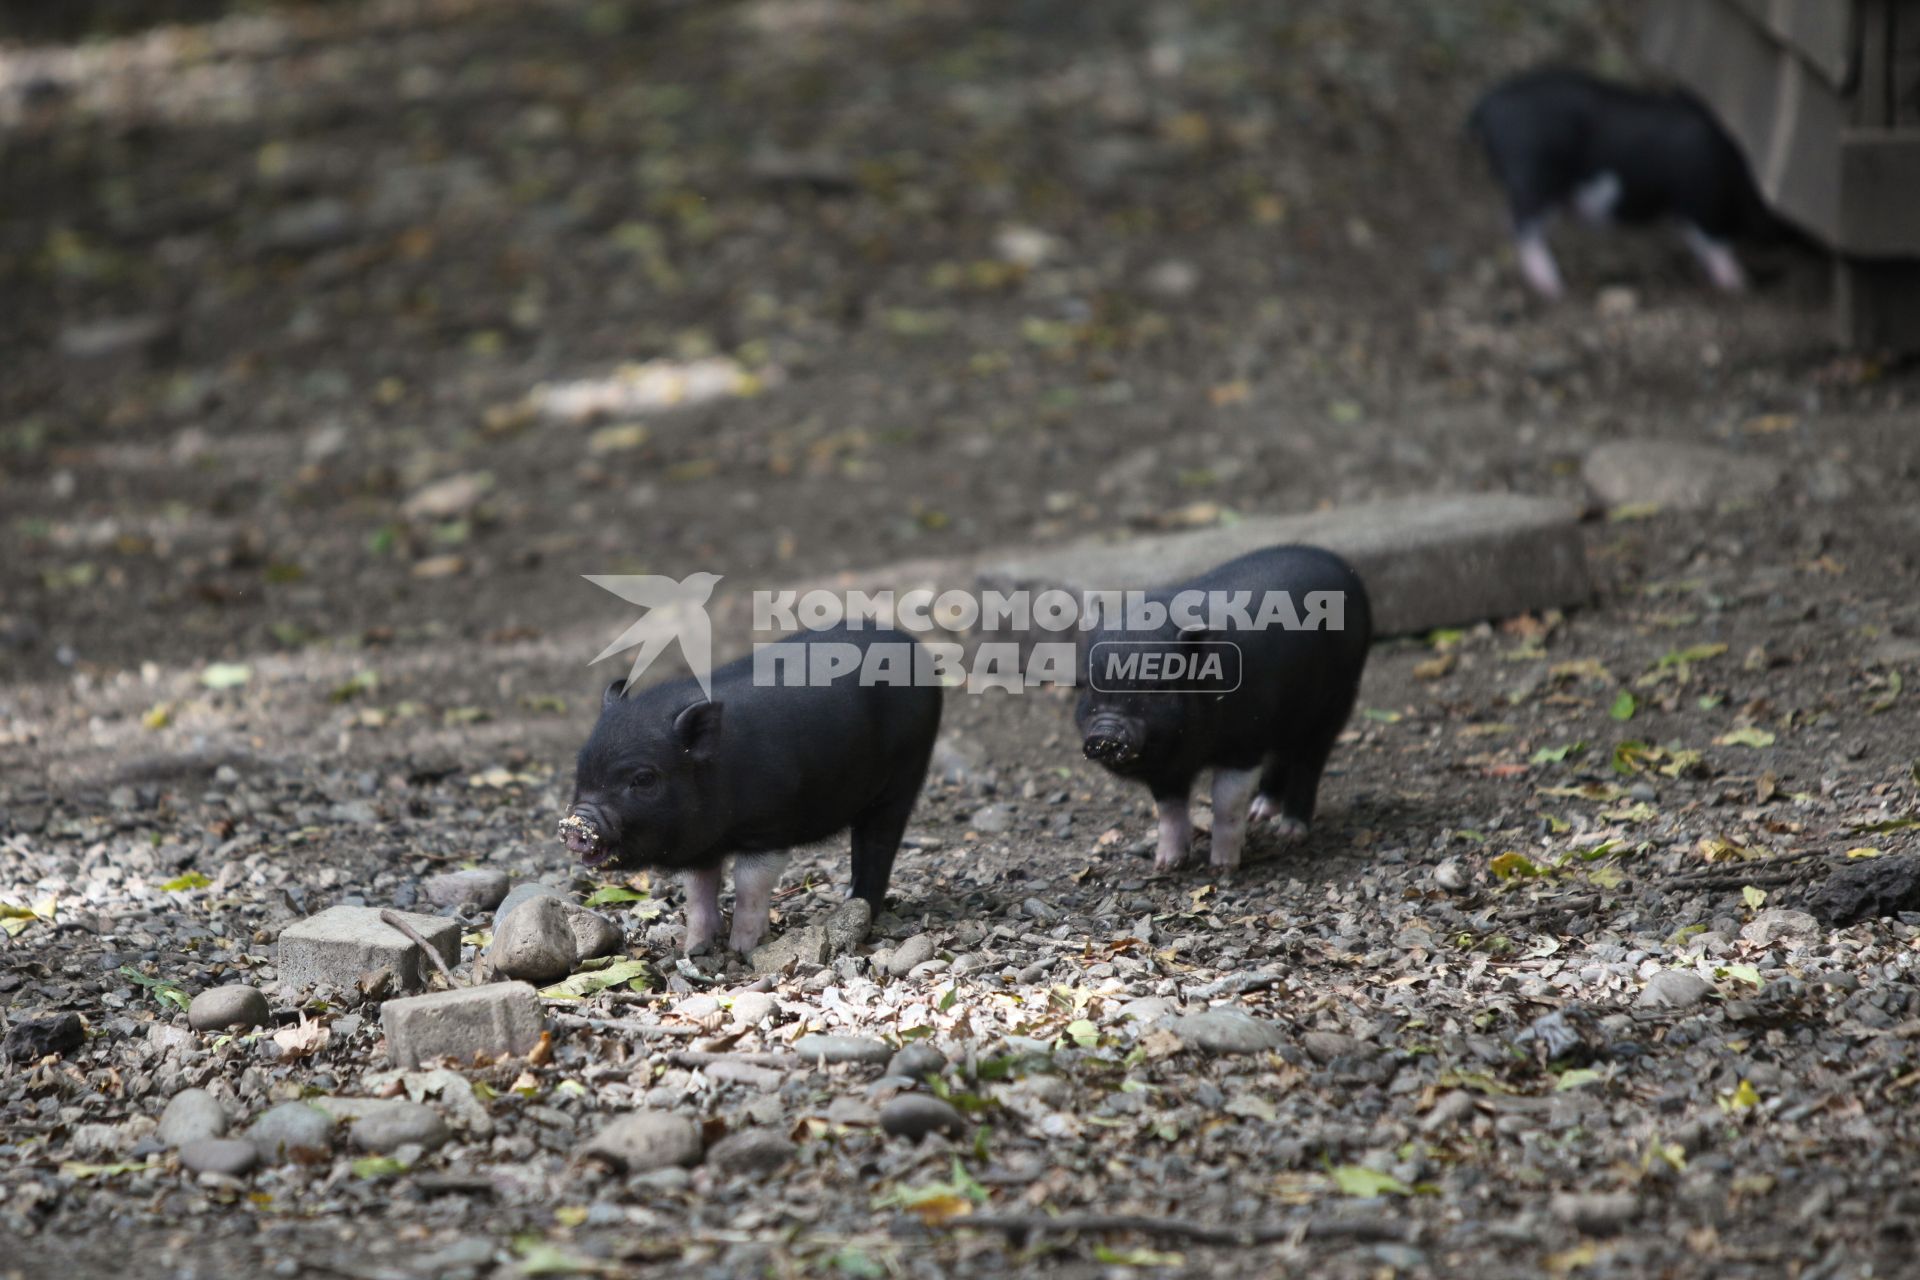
(501, 1018)
(341, 943)
(1427, 562)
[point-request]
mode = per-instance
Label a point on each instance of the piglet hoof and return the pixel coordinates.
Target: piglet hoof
(1262, 808)
(746, 941)
(1223, 867)
(698, 946)
(1288, 829)
(1167, 862)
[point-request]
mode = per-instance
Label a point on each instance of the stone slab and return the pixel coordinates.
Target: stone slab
(1427, 562)
(341, 943)
(501, 1018)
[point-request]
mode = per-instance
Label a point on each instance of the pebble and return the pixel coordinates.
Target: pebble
(646, 1140)
(914, 951)
(1674, 989)
(525, 891)
(231, 1007)
(289, 1127)
(917, 1060)
(754, 1151)
(593, 934)
(535, 942)
(36, 1038)
(230, 1156)
(399, 1124)
(1226, 1030)
(192, 1115)
(914, 1115)
(1778, 923)
(1597, 1212)
(480, 889)
(838, 1049)
(1325, 1046)
(1450, 875)
(751, 1008)
(992, 820)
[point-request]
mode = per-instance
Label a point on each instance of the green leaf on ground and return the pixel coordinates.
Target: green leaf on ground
(1624, 705)
(1745, 737)
(1357, 1180)
(582, 985)
(191, 880)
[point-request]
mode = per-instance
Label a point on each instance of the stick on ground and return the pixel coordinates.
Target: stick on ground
(398, 921)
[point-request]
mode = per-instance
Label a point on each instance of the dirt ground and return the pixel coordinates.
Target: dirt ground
(292, 600)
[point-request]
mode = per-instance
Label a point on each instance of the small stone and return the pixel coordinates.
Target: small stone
(914, 951)
(758, 1151)
(1777, 923)
(593, 934)
(916, 1061)
(228, 1008)
(1226, 1030)
(36, 1038)
(646, 1140)
(1674, 989)
(764, 1079)
(839, 1049)
(751, 1008)
(1866, 890)
(1598, 1213)
(525, 891)
(992, 820)
(1450, 875)
(1325, 1046)
(806, 945)
(229, 1156)
(289, 1129)
(848, 925)
(397, 1125)
(192, 1115)
(535, 942)
(915, 1115)
(480, 889)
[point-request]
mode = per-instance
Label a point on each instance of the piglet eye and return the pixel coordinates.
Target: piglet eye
(645, 776)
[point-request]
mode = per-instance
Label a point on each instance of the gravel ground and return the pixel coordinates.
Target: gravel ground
(290, 617)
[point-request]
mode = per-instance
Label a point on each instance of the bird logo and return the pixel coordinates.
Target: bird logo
(675, 610)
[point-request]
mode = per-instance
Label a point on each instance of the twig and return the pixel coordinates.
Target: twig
(1261, 1233)
(644, 1030)
(395, 920)
(699, 1058)
(1238, 984)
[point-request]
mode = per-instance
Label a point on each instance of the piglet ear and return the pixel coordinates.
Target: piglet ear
(696, 731)
(615, 691)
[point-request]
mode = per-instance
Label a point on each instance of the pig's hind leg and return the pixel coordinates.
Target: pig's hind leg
(1269, 805)
(877, 831)
(754, 877)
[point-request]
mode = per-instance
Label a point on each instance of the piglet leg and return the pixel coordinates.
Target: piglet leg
(754, 878)
(1717, 258)
(703, 909)
(1232, 790)
(1536, 261)
(1176, 832)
